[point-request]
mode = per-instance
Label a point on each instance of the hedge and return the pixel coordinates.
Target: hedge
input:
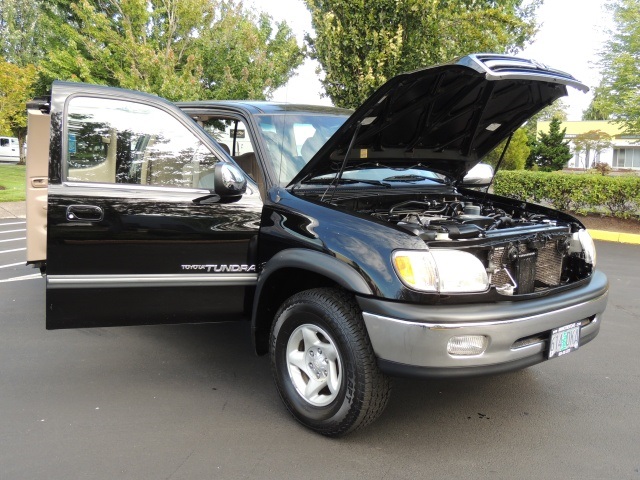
(580, 193)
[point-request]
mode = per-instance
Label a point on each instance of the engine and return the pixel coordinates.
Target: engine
(455, 220)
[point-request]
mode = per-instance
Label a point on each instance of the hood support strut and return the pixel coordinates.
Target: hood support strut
(336, 181)
(504, 151)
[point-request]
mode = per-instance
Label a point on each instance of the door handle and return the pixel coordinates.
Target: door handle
(84, 213)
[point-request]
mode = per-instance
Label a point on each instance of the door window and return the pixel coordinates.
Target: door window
(116, 141)
(233, 137)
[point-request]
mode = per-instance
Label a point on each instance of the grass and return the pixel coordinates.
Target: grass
(12, 183)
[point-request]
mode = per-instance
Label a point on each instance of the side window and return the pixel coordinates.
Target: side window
(233, 136)
(4, 142)
(116, 141)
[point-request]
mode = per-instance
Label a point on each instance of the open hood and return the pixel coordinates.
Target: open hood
(444, 118)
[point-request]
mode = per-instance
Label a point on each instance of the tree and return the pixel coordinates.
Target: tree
(557, 109)
(598, 109)
(362, 44)
(178, 49)
(515, 156)
(618, 95)
(592, 141)
(16, 88)
(550, 151)
(21, 32)
(258, 62)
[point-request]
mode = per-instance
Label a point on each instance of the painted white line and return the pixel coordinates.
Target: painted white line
(13, 223)
(14, 231)
(24, 277)
(13, 239)
(13, 265)
(13, 250)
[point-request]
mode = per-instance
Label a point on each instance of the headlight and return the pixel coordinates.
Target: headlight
(588, 247)
(443, 271)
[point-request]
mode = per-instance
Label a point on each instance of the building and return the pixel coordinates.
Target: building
(599, 141)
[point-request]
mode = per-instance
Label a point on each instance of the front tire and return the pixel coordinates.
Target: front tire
(323, 363)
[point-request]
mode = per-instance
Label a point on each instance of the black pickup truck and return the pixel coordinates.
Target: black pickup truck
(356, 243)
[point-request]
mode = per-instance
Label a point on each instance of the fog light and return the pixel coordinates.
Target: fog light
(467, 345)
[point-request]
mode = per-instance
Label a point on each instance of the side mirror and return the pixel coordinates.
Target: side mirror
(479, 176)
(228, 181)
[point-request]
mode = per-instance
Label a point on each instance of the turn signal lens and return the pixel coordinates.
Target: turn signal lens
(405, 270)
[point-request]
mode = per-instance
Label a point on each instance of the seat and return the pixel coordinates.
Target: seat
(311, 145)
(249, 164)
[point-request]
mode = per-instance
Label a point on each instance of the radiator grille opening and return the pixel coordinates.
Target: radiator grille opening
(533, 269)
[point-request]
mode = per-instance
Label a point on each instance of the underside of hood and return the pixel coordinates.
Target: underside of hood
(444, 118)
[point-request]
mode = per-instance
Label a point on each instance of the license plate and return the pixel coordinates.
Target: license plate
(564, 340)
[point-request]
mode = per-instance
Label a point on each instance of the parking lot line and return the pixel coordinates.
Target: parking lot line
(13, 250)
(13, 223)
(14, 231)
(13, 239)
(24, 277)
(13, 265)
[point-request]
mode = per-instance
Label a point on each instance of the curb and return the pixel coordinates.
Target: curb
(13, 210)
(615, 236)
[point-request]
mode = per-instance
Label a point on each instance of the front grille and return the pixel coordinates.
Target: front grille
(532, 268)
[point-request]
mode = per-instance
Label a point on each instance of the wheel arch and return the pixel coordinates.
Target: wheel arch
(292, 271)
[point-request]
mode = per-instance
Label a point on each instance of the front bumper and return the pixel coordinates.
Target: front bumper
(411, 339)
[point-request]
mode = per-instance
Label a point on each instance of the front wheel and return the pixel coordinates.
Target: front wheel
(323, 363)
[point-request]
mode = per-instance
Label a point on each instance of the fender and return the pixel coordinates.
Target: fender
(312, 261)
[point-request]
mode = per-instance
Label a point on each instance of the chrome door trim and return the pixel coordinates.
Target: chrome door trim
(153, 280)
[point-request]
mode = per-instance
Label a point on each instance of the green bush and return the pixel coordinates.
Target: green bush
(619, 196)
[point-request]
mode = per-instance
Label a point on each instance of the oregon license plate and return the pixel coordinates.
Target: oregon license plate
(564, 340)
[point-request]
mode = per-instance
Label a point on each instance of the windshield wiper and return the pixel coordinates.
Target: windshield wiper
(406, 178)
(344, 181)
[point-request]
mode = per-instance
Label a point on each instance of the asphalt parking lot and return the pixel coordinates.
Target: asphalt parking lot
(194, 402)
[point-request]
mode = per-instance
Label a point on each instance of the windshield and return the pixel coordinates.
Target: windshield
(292, 138)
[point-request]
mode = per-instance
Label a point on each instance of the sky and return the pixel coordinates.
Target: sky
(570, 36)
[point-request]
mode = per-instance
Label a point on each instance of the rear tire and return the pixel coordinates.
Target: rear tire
(323, 363)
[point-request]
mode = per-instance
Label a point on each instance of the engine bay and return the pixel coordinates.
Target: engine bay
(453, 217)
(525, 248)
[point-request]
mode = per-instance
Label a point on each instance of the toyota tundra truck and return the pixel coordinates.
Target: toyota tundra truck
(360, 245)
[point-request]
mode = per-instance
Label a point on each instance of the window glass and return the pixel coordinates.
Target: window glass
(116, 141)
(4, 142)
(292, 139)
(302, 132)
(231, 134)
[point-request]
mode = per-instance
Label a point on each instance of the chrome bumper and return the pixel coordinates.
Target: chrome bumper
(421, 340)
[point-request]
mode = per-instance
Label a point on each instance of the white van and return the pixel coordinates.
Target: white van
(9, 150)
